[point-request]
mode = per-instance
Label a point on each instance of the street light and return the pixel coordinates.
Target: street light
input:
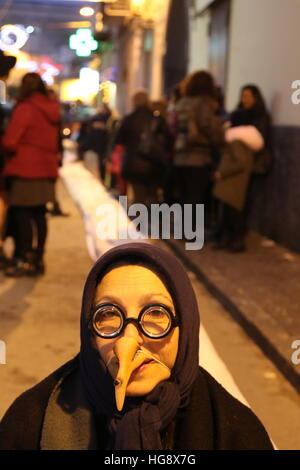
(87, 11)
(138, 6)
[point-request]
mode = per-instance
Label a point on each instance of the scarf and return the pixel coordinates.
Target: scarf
(141, 422)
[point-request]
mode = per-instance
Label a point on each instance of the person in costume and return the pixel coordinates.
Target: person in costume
(136, 383)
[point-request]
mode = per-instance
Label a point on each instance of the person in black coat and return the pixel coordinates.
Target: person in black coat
(147, 141)
(136, 383)
(251, 111)
(94, 135)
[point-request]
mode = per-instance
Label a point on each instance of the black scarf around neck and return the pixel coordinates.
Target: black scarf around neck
(140, 424)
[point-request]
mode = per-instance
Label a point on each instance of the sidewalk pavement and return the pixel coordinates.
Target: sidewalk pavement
(260, 289)
(39, 317)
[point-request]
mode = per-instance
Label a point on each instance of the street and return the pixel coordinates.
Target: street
(40, 326)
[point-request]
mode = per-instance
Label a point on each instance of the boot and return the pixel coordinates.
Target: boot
(39, 268)
(57, 212)
(26, 266)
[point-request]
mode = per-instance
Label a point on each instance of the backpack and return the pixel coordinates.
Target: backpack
(150, 162)
(151, 143)
(188, 134)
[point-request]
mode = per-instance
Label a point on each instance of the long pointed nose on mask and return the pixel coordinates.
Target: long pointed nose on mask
(121, 366)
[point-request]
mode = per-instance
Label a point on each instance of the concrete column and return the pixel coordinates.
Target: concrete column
(159, 48)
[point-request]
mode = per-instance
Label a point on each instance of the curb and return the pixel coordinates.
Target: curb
(282, 364)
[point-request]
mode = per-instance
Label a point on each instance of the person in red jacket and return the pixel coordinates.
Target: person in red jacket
(31, 140)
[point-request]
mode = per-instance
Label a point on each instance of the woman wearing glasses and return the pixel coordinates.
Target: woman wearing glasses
(136, 383)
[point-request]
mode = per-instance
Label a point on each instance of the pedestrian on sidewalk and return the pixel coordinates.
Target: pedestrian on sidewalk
(147, 140)
(136, 383)
(95, 136)
(199, 133)
(246, 154)
(31, 170)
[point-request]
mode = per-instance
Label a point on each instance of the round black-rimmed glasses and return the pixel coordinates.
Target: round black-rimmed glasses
(154, 321)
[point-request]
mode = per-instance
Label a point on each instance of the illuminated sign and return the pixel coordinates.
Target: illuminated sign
(83, 42)
(90, 79)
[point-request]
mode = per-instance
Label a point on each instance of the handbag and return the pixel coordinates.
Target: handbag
(149, 163)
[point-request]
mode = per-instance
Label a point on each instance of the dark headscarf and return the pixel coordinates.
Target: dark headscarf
(141, 422)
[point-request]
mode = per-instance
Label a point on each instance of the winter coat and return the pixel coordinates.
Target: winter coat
(235, 168)
(135, 168)
(253, 117)
(199, 131)
(32, 138)
(94, 135)
(55, 415)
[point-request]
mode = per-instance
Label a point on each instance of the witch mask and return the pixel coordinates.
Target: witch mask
(136, 330)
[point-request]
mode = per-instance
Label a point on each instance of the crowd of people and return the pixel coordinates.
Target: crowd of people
(185, 150)
(188, 150)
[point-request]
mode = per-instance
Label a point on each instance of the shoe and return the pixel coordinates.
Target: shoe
(58, 213)
(39, 268)
(29, 267)
(20, 268)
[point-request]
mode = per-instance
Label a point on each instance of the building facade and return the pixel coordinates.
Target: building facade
(256, 41)
(240, 42)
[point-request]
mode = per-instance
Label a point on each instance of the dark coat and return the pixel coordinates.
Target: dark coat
(199, 131)
(213, 419)
(94, 134)
(253, 117)
(135, 167)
